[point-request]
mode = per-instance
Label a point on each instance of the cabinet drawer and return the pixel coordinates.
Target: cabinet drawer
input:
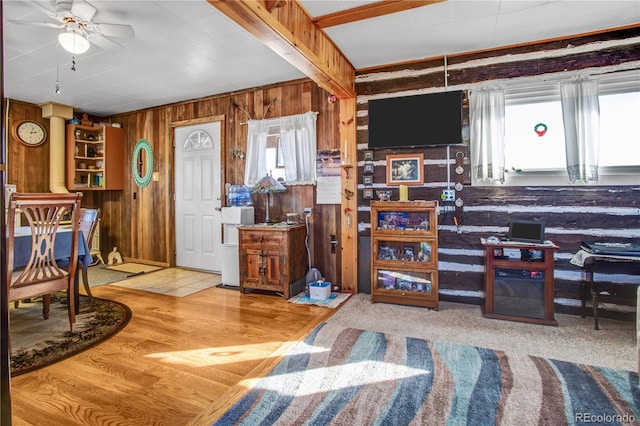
(268, 240)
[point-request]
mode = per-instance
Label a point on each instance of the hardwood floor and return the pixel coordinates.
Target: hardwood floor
(175, 359)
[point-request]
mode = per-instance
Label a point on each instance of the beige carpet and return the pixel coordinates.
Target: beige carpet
(133, 268)
(614, 345)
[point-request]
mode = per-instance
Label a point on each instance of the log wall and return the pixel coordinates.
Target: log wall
(571, 213)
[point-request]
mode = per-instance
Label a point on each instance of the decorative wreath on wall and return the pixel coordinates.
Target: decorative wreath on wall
(540, 129)
(142, 170)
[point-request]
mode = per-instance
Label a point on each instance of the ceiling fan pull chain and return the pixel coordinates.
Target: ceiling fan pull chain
(73, 63)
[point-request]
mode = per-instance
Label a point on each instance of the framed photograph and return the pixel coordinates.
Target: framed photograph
(367, 193)
(367, 180)
(368, 168)
(368, 156)
(405, 169)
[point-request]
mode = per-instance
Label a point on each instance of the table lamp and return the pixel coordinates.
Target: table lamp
(268, 185)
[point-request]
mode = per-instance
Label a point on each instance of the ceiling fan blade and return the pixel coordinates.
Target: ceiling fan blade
(38, 5)
(113, 30)
(104, 43)
(83, 10)
(37, 24)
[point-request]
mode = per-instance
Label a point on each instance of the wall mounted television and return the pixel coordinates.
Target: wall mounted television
(420, 120)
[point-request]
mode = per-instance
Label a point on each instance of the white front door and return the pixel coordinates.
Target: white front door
(198, 199)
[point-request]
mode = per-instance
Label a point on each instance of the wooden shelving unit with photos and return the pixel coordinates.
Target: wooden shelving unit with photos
(95, 158)
(404, 250)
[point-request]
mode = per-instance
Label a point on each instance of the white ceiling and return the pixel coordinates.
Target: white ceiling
(186, 49)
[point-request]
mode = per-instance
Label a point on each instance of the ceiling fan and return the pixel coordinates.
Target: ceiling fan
(75, 17)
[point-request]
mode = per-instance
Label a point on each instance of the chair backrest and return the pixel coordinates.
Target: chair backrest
(88, 222)
(44, 213)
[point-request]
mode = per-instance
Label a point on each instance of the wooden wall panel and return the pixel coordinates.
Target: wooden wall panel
(571, 213)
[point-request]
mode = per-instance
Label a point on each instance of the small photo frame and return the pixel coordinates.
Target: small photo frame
(367, 193)
(368, 168)
(405, 169)
(367, 180)
(368, 156)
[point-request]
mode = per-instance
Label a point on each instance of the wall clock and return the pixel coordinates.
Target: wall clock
(29, 132)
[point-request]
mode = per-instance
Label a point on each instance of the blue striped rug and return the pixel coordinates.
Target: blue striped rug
(346, 376)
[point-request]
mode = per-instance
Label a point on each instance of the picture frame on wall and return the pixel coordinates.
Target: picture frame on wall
(368, 168)
(368, 156)
(367, 180)
(405, 169)
(367, 193)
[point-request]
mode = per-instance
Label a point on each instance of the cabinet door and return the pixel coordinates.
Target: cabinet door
(251, 267)
(275, 272)
(408, 252)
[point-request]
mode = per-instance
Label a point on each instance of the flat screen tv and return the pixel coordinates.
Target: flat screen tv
(413, 121)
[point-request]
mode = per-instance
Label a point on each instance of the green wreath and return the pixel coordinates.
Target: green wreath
(142, 181)
(540, 129)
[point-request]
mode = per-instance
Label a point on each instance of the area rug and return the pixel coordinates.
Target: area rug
(36, 342)
(100, 275)
(340, 375)
(334, 300)
(132, 268)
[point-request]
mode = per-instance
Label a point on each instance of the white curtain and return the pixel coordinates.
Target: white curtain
(298, 141)
(486, 109)
(581, 118)
(256, 159)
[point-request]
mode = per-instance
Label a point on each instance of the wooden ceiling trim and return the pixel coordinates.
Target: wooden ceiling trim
(368, 11)
(289, 31)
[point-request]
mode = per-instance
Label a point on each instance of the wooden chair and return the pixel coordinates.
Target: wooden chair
(42, 275)
(88, 221)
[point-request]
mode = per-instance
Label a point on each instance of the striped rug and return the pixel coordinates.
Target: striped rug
(346, 376)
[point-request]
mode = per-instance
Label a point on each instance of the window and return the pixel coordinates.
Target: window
(275, 160)
(283, 147)
(534, 148)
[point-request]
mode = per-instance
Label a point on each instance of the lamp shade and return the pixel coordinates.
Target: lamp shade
(268, 185)
(73, 42)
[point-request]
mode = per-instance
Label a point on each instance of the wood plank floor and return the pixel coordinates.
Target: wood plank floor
(175, 359)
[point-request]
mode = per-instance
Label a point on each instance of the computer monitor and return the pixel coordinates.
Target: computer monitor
(527, 231)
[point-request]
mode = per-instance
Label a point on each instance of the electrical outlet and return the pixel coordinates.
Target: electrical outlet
(307, 211)
(448, 195)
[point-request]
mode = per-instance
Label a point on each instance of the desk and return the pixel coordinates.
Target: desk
(61, 250)
(587, 261)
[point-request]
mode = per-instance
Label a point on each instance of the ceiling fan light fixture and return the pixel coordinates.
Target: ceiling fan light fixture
(73, 42)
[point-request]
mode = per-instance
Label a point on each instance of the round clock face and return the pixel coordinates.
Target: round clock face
(30, 133)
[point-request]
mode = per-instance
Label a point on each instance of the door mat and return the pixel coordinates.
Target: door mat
(133, 268)
(335, 300)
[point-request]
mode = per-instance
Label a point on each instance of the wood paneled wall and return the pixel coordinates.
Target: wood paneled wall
(139, 221)
(571, 214)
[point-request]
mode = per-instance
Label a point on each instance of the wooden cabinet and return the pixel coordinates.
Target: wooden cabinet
(404, 250)
(519, 282)
(95, 158)
(273, 257)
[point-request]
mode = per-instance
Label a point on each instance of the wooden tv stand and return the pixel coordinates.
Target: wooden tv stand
(519, 284)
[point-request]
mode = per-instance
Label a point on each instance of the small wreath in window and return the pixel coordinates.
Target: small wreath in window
(540, 129)
(142, 169)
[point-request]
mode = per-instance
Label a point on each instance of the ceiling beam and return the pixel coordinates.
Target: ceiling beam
(368, 11)
(290, 32)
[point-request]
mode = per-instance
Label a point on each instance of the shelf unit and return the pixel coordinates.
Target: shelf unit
(95, 158)
(404, 249)
(519, 284)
